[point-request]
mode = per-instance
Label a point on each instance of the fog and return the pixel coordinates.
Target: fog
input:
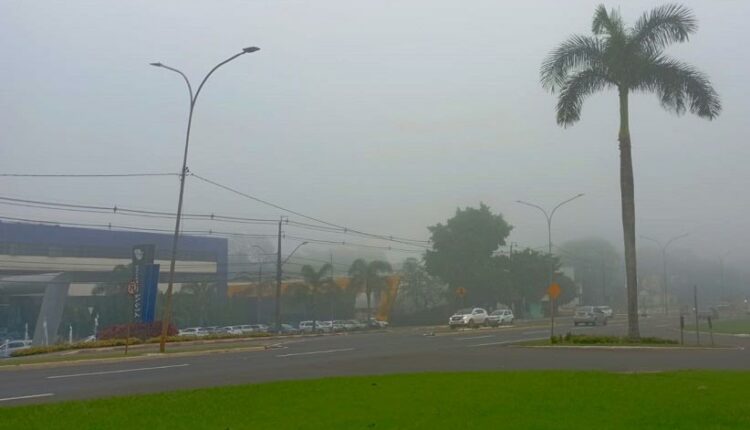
(381, 116)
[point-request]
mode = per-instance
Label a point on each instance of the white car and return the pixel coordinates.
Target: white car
(320, 326)
(245, 328)
(468, 317)
(193, 331)
(231, 329)
(608, 312)
(500, 317)
(259, 328)
(10, 346)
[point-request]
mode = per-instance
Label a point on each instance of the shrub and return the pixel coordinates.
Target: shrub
(137, 330)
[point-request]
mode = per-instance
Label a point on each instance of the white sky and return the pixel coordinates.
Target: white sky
(380, 115)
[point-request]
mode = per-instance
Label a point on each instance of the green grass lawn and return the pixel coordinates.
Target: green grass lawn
(508, 400)
(726, 326)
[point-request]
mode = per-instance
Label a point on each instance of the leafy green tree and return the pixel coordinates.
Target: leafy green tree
(418, 287)
(199, 299)
(462, 252)
(369, 278)
(629, 59)
(317, 279)
(597, 267)
(115, 307)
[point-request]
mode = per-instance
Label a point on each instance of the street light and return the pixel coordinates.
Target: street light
(279, 266)
(664, 264)
(549, 215)
(167, 315)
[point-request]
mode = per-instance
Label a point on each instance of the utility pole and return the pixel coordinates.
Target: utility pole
(278, 279)
(697, 327)
(257, 292)
(333, 290)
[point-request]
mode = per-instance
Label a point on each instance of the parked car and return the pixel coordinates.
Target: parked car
(608, 312)
(500, 317)
(10, 346)
(245, 328)
(468, 317)
(589, 315)
(325, 326)
(341, 325)
(285, 329)
(212, 329)
(375, 323)
(193, 331)
(259, 328)
(320, 326)
(230, 329)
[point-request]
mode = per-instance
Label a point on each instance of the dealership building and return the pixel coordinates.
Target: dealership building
(41, 266)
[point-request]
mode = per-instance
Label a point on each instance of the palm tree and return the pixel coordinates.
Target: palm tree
(316, 279)
(629, 59)
(369, 277)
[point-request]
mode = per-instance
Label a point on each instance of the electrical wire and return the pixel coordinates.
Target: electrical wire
(318, 220)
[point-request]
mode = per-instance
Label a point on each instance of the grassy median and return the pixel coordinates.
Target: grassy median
(512, 400)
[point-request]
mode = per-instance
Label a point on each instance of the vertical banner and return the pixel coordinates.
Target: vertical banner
(142, 256)
(149, 290)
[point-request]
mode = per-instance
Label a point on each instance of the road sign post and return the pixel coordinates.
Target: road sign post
(552, 292)
(461, 292)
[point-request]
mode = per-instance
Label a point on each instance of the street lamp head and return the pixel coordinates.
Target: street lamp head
(250, 49)
(156, 64)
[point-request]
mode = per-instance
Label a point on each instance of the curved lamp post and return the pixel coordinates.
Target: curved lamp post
(167, 314)
(664, 264)
(549, 215)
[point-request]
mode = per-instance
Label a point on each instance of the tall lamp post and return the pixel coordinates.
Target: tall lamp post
(549, 215)
(664, 264)
(279, 267)
(167, 314)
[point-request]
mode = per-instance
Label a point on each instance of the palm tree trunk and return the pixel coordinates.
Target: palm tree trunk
(628, 215)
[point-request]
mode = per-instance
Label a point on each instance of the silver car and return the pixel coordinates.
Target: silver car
(589, 315)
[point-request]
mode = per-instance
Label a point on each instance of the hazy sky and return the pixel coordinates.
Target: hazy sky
(380, 115)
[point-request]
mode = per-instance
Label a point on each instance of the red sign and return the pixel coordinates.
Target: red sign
(554, 291)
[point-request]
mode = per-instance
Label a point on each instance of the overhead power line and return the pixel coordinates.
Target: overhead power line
(94, 175)
(407, 241)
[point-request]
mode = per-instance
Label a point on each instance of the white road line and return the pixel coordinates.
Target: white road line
(32, 396)
(475, 337)
(534, 332)
(328, 351)
(506, 342)
(109, 372)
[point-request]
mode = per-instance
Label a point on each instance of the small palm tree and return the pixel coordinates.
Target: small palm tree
(629, 59)
(316, 279)
(369, 277)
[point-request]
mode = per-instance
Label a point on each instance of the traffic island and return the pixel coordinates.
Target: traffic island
(589, 341)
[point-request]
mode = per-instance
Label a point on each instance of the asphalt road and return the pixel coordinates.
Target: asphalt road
(394, 351)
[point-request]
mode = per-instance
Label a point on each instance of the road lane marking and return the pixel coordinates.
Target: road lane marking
(328, 351)
(32, 396)
(110, 372)
(476, 337)
(506, 342)
(534, 332)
